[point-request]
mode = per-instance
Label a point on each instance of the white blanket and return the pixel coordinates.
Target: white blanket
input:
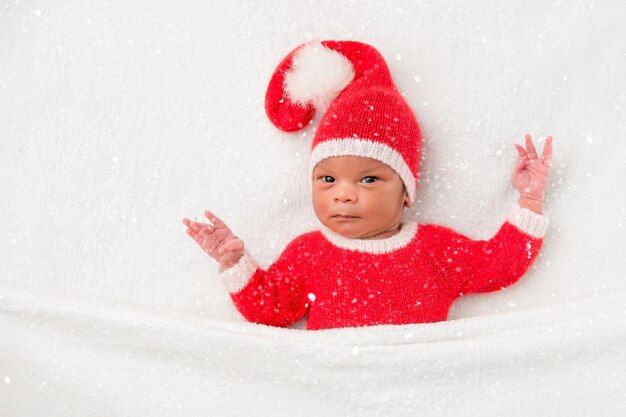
(118, 119)
(61, 357)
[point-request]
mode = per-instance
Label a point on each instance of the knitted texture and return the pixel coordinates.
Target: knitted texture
(364, 114)
(412, 277)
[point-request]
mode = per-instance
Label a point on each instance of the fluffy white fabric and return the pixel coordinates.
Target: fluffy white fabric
(121, 118)
(88, 359)
(317, 76)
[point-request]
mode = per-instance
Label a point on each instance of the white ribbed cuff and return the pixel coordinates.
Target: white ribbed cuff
(237, 276)
(528, 221)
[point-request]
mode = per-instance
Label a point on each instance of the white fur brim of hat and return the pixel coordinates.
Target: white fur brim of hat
(368, 149)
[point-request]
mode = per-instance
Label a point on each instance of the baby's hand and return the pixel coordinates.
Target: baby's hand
(531, 173)
(216, 240)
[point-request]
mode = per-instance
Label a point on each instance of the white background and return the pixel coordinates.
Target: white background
(118, 119)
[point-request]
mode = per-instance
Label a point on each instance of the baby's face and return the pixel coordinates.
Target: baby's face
(364, 188)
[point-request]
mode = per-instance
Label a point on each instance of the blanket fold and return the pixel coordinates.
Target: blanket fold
(102, 360)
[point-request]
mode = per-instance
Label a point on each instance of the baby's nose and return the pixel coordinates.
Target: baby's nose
(345, 194)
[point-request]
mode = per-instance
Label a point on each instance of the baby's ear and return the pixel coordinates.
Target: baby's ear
(407, 202)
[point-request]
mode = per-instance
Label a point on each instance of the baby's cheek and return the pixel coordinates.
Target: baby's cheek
(320, 202)
(319, 205)
(389, 206)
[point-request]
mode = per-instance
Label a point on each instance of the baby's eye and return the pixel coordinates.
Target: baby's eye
(370, 182)
(327, 176)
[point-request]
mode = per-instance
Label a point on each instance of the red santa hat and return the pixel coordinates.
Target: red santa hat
(363, 112)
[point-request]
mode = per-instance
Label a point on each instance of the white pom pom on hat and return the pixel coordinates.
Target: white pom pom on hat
(317, 75)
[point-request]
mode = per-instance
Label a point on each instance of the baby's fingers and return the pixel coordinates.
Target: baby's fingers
(195, 236)
(530, 148)
(232, 246)
(215, 221)
(198, 227)
(546, 155)
(199, 234)
(521, 151)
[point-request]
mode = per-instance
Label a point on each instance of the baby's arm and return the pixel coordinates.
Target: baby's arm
(468, 265)
(488, 265)
(276, 297)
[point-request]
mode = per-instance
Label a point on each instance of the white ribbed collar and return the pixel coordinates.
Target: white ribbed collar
(375, 246)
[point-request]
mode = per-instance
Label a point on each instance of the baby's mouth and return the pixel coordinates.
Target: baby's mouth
(344, 217)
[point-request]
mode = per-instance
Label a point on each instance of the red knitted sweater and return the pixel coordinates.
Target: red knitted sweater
(411, 277)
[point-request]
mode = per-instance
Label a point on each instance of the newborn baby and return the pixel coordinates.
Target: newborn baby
(366, 265)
